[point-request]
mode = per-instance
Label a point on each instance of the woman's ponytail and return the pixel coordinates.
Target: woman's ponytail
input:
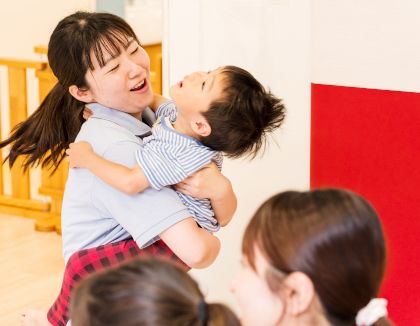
(44, 136)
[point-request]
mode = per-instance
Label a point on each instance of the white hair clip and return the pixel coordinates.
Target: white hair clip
(375, 310)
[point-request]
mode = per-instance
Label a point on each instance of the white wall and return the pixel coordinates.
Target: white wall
(27, 23)
(145, 17)
(371, 44)
(271, 39)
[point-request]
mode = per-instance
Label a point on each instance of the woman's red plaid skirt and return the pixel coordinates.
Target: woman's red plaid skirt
(88, 261)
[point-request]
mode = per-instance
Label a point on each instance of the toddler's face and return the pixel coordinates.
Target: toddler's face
(194, 94)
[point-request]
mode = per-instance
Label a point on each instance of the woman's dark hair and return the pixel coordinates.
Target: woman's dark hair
(44, 136)
(333, 236)
(243, 116)
(146, 292)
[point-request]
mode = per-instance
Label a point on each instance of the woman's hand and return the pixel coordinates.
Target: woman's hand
(210, 183)
(205, 183)
(79, 154)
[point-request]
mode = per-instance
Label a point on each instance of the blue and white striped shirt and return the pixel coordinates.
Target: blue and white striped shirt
(168, 157)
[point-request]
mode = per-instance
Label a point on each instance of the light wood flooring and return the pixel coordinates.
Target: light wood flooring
(31, 268)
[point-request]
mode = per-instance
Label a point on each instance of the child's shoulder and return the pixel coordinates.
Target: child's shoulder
(167, 109)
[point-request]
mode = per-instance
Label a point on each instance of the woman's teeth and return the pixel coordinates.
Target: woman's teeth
(139, 86)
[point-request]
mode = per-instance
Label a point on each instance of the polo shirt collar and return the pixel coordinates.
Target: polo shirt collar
(122, 119)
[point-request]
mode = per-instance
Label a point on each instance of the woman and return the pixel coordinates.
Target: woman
(312, 258)
(97, 58)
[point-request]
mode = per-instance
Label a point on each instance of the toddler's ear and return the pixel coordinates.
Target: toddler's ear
(201, 127)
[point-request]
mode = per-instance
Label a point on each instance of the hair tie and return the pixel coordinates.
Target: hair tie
(375, 310)
(203, 312)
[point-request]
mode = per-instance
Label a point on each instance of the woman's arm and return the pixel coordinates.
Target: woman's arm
(128, 180)
(158, 100)
(195, 246)
(210, 183)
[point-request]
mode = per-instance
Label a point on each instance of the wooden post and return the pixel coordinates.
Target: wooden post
(20, 202)
(18, 113)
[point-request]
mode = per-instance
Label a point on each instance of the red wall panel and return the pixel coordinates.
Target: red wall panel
(368, 141)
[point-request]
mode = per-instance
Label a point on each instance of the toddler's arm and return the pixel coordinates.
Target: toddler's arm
(210, 183)
(131, 181)
(195, 246)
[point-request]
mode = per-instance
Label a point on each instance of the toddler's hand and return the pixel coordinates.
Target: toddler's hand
(87, 113)
(79, 154)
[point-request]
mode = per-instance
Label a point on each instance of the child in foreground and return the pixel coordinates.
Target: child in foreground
(225, 110)
(145, 292)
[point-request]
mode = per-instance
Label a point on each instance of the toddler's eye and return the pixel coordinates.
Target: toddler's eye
(137, 48)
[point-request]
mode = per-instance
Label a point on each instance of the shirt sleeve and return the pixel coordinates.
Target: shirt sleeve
(144, 215)
(167, 109)
(165, 165)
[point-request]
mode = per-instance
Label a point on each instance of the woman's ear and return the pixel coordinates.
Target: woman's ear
(83, 95)
(201, 127)
(300, 294)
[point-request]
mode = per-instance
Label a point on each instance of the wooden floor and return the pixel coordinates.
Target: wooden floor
(31, 268)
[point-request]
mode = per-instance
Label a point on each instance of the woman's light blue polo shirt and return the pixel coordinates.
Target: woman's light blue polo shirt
(94, 213)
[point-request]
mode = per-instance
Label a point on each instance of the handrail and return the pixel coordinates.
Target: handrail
(20, 201)
(22, 64)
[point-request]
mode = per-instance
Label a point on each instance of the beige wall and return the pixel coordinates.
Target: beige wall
(27, 23)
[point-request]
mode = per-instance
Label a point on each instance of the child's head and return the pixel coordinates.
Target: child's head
(235, 109)
(318, 254)
(145, 292)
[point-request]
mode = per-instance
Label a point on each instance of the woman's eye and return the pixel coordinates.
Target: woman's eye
(115, 68)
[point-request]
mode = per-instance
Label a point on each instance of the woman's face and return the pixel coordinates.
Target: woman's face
(124, 82)
(258, 304)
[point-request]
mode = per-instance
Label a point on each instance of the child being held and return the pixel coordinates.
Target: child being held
(222, 111)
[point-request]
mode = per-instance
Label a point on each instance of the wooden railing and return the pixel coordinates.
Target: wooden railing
(19, 201)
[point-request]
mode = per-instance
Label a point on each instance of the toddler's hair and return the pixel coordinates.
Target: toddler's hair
(242, 117)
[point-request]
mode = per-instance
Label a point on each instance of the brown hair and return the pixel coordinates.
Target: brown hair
(147, 292)
(245, 114)
(333, 236)
(44, 136)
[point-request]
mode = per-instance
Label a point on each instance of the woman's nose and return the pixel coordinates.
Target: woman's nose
(134, 69)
